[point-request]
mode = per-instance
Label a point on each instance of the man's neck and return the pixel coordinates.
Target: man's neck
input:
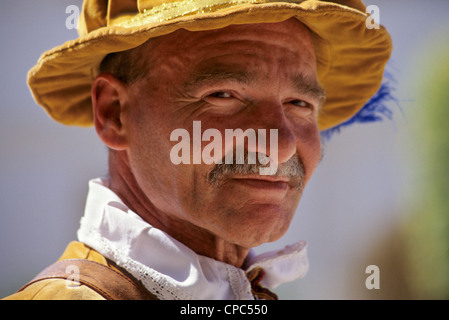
(124, 184)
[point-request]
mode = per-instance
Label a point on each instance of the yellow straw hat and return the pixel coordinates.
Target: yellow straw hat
(350, 56)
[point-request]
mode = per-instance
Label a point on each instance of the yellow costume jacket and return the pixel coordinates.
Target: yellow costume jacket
(99, 279)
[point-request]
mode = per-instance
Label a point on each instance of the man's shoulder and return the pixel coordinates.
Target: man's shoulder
(78, 250)
(81, 273)
(55, 289)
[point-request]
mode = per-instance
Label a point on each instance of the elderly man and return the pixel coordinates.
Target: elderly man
(175, 90)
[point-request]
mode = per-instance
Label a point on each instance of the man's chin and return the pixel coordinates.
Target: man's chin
(258, 223)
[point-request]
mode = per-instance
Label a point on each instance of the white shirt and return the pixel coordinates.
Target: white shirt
(165, 266)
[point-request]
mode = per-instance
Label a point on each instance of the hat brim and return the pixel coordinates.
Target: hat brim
(350, 57)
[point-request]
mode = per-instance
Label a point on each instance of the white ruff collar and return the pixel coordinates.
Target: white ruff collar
(168, 268)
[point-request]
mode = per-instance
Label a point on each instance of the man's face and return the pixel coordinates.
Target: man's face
(248, 77)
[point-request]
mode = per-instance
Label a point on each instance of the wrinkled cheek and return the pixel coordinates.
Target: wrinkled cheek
(317, 149)
(309, 148)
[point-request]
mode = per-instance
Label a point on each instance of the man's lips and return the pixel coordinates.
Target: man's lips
(263, 182)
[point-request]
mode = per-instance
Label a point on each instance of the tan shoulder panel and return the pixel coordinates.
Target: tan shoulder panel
(55, 289)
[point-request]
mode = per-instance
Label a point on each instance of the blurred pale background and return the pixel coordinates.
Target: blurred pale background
(378, 197)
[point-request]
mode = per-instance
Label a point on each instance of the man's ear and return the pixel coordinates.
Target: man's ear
(109, 96)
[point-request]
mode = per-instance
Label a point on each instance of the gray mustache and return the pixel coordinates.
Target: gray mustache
(293, 169)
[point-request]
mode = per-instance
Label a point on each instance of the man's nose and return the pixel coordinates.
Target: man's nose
(272, 122)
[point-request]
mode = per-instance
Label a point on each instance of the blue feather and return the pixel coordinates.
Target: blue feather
(376, 109)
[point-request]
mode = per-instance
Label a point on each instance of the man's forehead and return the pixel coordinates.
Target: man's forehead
(207, 49)
(224, 54)
(289, 31)
(242, 73)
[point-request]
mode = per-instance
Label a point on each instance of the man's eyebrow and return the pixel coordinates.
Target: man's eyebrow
(309, 87)
(302, 84)
(201, 78)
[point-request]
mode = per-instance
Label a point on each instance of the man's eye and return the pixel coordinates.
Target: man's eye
(301, 103)
(221, 94)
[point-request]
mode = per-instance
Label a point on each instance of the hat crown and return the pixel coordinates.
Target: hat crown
(101, 13)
